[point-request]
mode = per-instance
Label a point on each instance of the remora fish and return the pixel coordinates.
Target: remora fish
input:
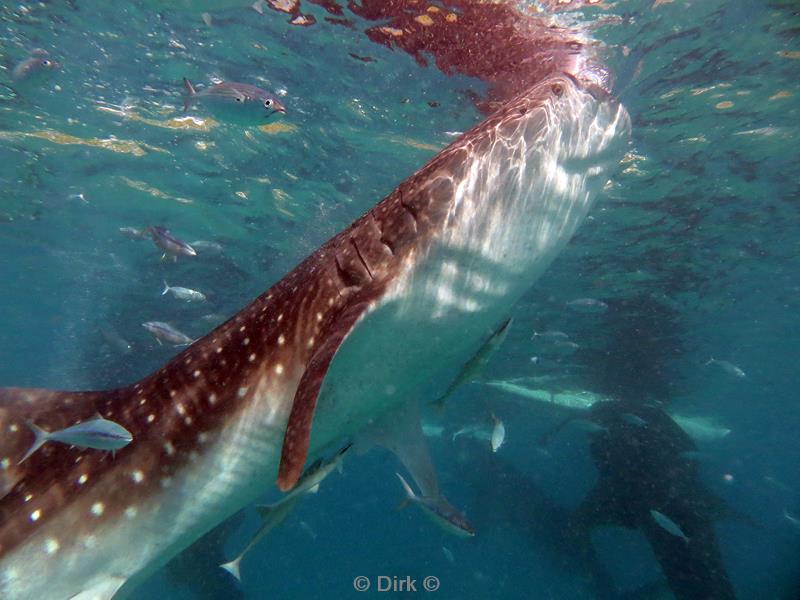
(274, 514)
(487, 214)
(182, 293)
(439, 511)
(668, 525)
(97, 433)
(165, 331)
(475, 365)
(728, 367)
(234, 102)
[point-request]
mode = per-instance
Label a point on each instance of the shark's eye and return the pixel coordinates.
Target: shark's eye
(268, 102)
(557, 90)
(238, 98)
(45, 62)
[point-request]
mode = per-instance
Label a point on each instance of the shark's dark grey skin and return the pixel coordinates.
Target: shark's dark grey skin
(406, 293)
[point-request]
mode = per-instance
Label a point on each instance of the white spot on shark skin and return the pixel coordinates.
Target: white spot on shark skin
(280, 317)
(310, 342)
(219, 349)
(98, 508)
(131, 512)
(13, 428)
(242, 328)
(281, 340)
(202, 437)
(251, 358)
(28, 497)
(245, 341)
(35, 515)
(83, 479)
(196, 373)
(242, 392)
(172, 393)
(51, 545)
(187, 420)
(212, 399)
(180, 408)
(5, 463)
(143, 401)
(89, 541)
(319, 317)
(151, 417)
(137, 476)
(279, 369)
(169, 448)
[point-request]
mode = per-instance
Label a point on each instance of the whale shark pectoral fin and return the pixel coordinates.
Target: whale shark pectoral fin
(298, 430)
(104, 589)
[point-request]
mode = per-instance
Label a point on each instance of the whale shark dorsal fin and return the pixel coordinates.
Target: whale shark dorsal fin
(298, 429)
(103, 589)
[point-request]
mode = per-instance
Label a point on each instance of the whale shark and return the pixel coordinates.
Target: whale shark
(402, 297)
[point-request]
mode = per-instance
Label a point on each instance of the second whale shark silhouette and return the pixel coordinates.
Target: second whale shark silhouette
(404, 295)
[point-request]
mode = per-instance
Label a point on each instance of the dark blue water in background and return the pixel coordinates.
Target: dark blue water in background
(695, 249)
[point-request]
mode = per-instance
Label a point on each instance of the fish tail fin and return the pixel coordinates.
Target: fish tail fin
(410, 496)
(258, 6)
(232, 567)
(166, 288)
(187, 103)
(41, 438)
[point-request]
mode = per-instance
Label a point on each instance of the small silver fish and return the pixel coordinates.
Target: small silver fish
(634, 420)
(728, 367)
(182, 293)
(115, 339)
(668, 525)
(308, 529)
(432, 430)
(234, 102)
(37, 63)
(134, 233)
(97, 433)
(550, 335)
(166, 332)
(439, 511)
(498, 433)
(792, 519)
(566, 346)
(587, 305)
(172, 246)
(448, 555)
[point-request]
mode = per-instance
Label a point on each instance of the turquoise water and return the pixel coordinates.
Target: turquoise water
(694, 249)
